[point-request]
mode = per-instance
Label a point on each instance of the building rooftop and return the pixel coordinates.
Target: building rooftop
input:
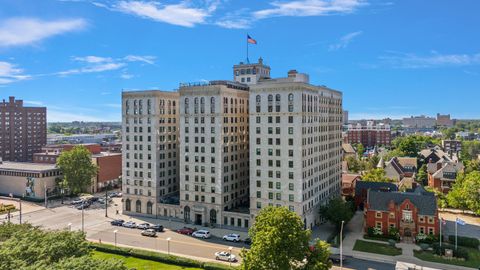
(377, 186)
(26, 166)
(227, 83)
(423, 200)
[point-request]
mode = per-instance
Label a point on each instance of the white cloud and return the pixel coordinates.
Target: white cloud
(344, 41)
(410, 60)
(33, 102)
(126, 76)
(303, 8)
(27, 31)
(94, 64)
(138, 58)
(10, 73)
(177, 14)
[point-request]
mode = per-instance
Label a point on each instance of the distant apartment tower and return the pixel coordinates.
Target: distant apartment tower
(419, 122)
(369, 135)
(23, 130)
(452, 147)
(150, 149)
(444, 120)
(345, 117)
(295, 145)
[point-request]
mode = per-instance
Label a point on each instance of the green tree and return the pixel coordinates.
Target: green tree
(77, 168)
(422, 175)
(318, 256)
(360, 150)
(279, 241)
(336, 211)
(376, 175)
(465, 193)
(470, 150)
(84, 263)
(472, 165)
(354, 165)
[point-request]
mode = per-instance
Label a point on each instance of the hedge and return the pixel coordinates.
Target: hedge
(460, 252)
(155, 256)
(464, 241)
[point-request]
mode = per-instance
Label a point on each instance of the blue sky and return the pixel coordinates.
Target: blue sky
(390, 58)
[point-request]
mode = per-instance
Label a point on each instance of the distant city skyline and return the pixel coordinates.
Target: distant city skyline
(390, 59)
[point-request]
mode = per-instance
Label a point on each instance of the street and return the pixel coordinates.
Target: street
(98, 228)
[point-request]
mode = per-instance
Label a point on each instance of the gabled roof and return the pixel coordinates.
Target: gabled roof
(350, 177)
(448, 169)
(436, 151)
(348, 148)
(403, 164)
(379, 186)
(426, 202)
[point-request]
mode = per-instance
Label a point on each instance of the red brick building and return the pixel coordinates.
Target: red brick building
(109, 164)
(443, 174)
(362, 188)
(369, 135)
(410, 212)
(23, 130)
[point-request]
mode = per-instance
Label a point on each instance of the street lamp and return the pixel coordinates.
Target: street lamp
(341, 245)
(168, 245)
(229, 259)
(69, 226)
(83, 217)
(115, 233)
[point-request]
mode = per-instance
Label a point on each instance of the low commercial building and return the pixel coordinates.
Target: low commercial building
(409, 212)
(28, 180)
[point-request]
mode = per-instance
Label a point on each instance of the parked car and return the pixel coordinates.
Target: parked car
(83, 205)
(185, 230)
(92, 199)
(77, 201)
(225, 256)
(115, 195)
(248, 241)
(129, 224)
(232, 237)
(117, 222)
(143, 226)
(149, 232)
(201, 234)
(157, 227)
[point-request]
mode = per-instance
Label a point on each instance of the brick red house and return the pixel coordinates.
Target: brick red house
(443, 174)
(362, 188)
(410, 212)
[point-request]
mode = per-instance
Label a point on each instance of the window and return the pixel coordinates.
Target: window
(407, 216)
(378, 214)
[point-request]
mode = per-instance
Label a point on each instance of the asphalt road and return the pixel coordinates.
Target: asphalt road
(98, 228)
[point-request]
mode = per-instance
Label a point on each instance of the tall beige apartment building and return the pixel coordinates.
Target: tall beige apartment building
(150, 149)
(295, 145)
(230, 148)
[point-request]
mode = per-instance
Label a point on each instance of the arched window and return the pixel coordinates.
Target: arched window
(186, 214)
(290, 97)
(149, 208)
(258, 98)
(195, 105)
(212, 105)
(138, 206)
(290, 102)
(270, 97)
(128, 205)
(187, 109)
(169, 107)
(213, 216)
(202, 105)
(277, 97)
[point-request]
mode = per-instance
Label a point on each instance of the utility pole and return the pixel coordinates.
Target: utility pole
(83, 218)
(106, 200)
(341, 246)
(46, 198)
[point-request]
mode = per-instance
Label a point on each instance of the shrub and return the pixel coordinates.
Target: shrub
(394, 233)
(464, 241)
(424, 246)
(370, 231)
(427, 239)
(460, 252)
(392, 242)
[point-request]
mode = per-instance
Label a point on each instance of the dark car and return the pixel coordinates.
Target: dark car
(185, 230)
(248, 241)
(83, 205)
(117, 222)
(157, 227)
(77, 201)
(92, 199)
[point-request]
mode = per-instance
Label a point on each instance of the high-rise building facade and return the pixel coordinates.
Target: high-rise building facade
(150, 149)
(23, 130)
(369, 135)
(295, 145)
(213, 150)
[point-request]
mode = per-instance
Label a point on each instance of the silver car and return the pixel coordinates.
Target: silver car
(149, 232)
(201, 234)
(225, 256)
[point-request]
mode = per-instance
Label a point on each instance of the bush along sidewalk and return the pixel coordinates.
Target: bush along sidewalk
(158, 257)
(464, 241)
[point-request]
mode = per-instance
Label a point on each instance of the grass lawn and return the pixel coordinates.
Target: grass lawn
(140, 264)
(473, 258)
(371, 247)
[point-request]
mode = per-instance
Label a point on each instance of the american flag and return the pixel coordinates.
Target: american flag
(251, 40)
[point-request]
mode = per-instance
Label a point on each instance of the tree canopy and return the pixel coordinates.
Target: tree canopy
(280, 242)
(412, 144)
(465, 193)
(376, 175)
(29, 248)
(77, 168)
(337, 211)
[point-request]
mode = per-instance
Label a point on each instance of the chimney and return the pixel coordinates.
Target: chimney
(292, 73)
